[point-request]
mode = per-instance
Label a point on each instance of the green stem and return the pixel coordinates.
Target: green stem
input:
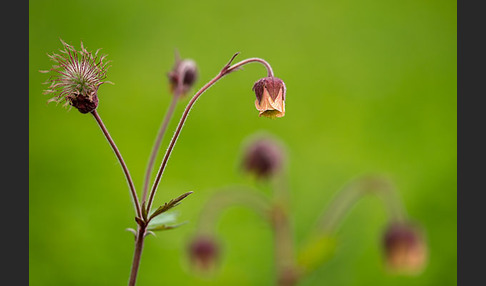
(317, 247)
(231, 197)
(348, 196)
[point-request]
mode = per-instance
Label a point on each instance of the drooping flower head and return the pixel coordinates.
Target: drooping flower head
(203, 252)
(405, 248)
(76, 77)
(270, 97)
(183, 75)
(263, 157)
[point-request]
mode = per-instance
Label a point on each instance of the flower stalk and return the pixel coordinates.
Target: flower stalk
(348, 196)
(156, 147)
(76, 78)
(181, 79)
(320, 243)
(131, 186)
(230, 197)
(228, 68)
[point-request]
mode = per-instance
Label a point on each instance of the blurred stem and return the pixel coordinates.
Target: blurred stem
(224, 71)
(158, 141)
(284, 247)
(348, 196)
(283, 235)
(137, 255)
(122, 162)
(339, 207)
(231, 197)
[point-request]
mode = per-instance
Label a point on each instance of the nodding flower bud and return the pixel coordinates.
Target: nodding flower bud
(77, 75)
(405, 248)
(182, 76)
(270, 97)
(263, 157)
(203, 252)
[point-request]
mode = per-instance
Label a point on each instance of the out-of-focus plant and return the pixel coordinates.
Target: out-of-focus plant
(403, 244)
(75, 79)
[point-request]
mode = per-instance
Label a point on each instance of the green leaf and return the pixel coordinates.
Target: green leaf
(167, 206)
(316, 252)
(166, 227)
(162, 219)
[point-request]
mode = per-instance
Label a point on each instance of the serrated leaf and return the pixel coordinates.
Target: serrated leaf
(167, 206)
(166, 227)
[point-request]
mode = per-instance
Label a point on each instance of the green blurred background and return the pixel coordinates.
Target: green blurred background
(371, 88)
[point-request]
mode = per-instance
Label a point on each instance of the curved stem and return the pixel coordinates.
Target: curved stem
(250, 60)
(386, 190)
(122, 162)
(226, 70)
(344, 200)
(227, 198)
(347, 197)
(156, 147)
(316, 249)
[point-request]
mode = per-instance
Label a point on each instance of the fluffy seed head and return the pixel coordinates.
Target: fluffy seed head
(76, 77)
(270, 97)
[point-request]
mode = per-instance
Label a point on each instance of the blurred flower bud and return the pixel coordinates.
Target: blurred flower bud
(203, 252)
(77, 77)
(405, 248)
(183, 75)
(270, 97)
(263, 157)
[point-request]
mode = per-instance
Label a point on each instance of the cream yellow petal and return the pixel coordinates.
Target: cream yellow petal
(278, 104)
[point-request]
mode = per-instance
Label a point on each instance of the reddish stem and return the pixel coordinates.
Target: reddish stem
(137, 255)
(226, 70)
(156, 147)
(122, 162)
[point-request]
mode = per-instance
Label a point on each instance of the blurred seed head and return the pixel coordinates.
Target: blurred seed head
(405, 248)
(270, 97)
(204, 252)
(263, 157)
(183, 75)
(76, 77)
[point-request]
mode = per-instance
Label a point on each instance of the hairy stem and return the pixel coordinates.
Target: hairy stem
(137, 255)
(226, 70)
(122, 162)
